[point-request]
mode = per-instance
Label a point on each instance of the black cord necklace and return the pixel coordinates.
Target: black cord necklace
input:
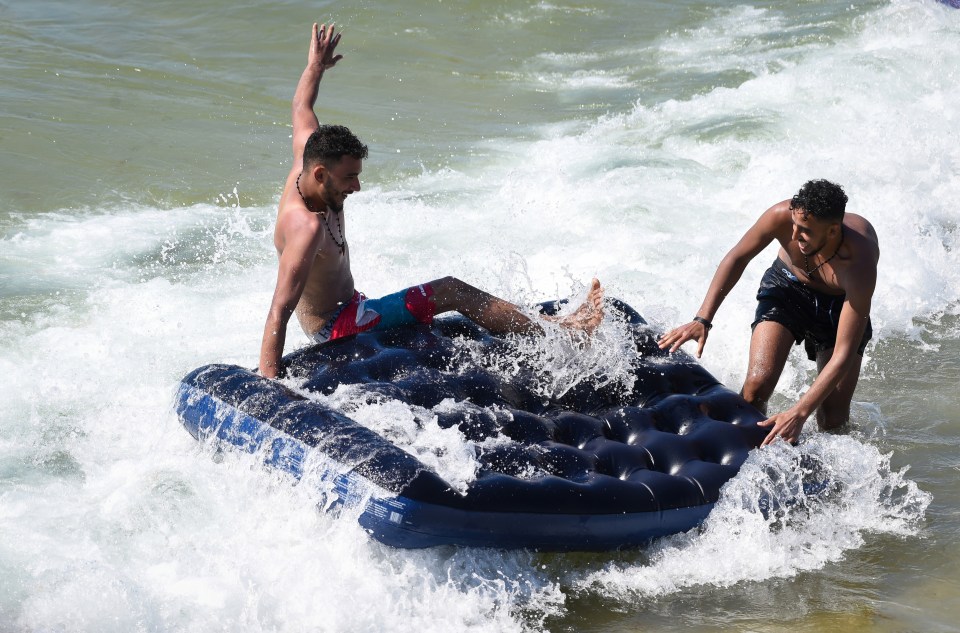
(342, 242)
(806, 265)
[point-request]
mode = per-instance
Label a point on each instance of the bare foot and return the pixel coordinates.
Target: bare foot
(590, 313)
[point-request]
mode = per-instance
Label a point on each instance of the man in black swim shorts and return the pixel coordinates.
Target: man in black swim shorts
(811, 316)
(818, 291)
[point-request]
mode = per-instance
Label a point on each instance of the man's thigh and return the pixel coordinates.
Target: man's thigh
(769, 348)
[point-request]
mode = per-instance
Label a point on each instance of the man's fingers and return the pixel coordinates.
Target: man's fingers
(679, 340)
(666, 340)
(775, 433)
(772, 435)
(327, 34)
(678, 336)
(672, 339)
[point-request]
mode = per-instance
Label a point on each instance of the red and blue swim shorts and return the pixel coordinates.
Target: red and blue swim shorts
(361, 314)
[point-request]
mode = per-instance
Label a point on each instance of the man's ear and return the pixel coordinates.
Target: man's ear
(318, 172)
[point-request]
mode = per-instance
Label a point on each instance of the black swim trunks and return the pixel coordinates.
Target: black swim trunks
(811, 316)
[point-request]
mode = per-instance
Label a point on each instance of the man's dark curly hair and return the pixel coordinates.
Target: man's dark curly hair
(822, 199)
(329, 143)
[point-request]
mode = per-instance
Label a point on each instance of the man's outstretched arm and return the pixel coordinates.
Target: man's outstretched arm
(766, 229)
(320, 57)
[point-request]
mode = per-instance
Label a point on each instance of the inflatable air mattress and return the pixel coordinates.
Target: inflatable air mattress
(598, 468)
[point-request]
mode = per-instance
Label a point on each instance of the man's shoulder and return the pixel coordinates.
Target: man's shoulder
(861, 225)
(781, 207)
(862, 238)
(297, 227)
(860, 273)
(293, 214)
(778, 214)
(776, 222)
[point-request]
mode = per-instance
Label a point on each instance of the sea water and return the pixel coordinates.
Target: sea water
(524, 147)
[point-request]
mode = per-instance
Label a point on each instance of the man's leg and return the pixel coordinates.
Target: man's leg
(502, 317)
(835, 410)
(769, 348)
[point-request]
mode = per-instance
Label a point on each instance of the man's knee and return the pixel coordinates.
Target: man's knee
(449, 293)
(448, 285)
(757, 389)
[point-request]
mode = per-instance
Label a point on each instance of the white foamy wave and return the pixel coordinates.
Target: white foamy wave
(650, 200)
(69, 250)
(578, 80)
(872, 118)
(543, 10)
(738, 38)
(109, 496)
(863, 496)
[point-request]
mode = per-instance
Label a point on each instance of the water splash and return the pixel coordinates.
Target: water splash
(560, 360)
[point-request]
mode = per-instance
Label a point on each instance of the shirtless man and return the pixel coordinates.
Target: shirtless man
(314, 278)
(818, 291)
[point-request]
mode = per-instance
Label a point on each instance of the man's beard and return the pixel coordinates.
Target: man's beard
(329, 200)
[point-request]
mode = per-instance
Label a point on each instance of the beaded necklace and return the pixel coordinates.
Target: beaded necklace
(342, 242)
(806, 265)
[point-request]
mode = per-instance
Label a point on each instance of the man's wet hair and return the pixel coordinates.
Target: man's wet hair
(822, 199)
(330, 143)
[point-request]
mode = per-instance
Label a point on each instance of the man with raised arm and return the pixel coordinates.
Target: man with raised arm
(818, 291)
(314, 278)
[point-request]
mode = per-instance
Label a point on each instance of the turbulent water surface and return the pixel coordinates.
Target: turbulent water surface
(524, 147)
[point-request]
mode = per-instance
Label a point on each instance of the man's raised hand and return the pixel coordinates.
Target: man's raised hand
(323, 43)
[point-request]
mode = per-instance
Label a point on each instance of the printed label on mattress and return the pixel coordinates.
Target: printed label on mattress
(387, 509)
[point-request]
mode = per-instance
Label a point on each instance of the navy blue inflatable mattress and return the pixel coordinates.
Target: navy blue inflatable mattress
(598, 468)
